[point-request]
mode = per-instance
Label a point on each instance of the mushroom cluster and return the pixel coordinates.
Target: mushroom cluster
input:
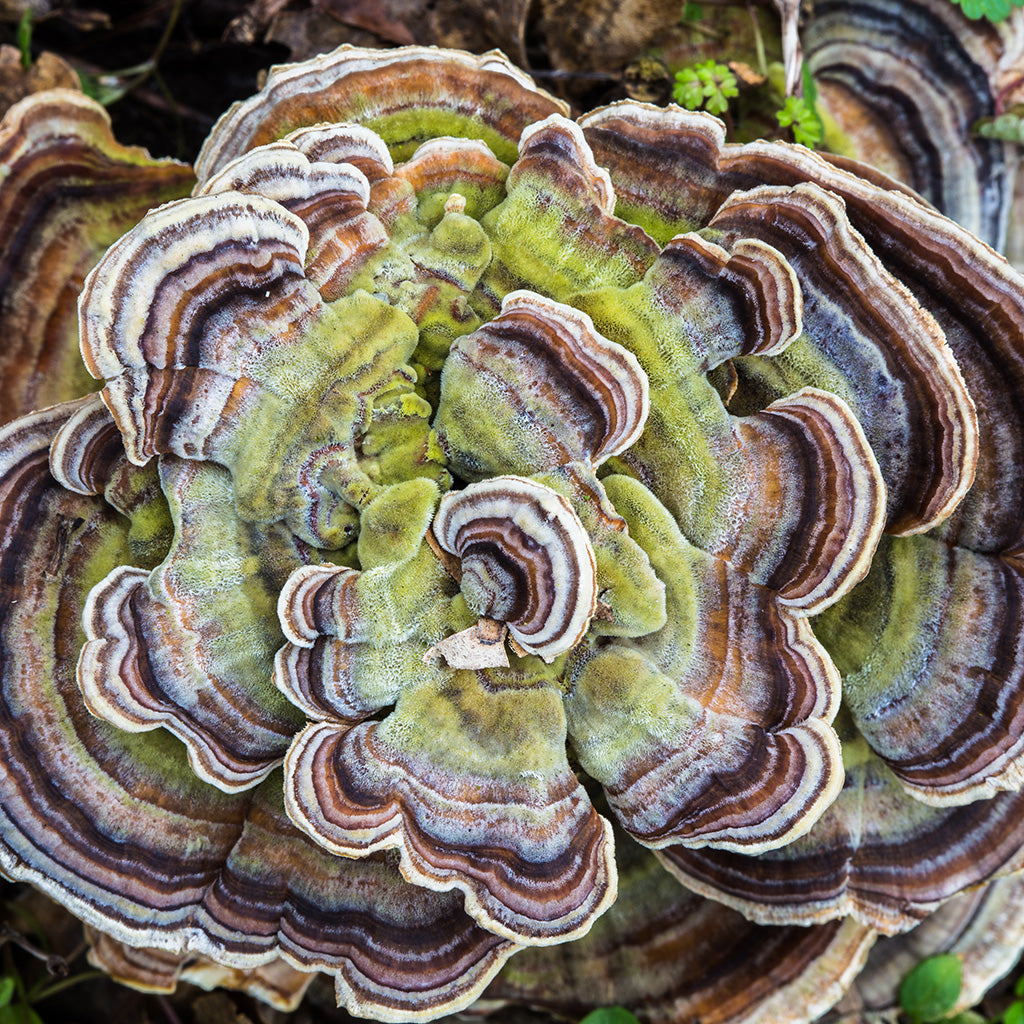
(495, 532)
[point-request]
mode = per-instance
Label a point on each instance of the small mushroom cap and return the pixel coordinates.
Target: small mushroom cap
(744, 300)
(557, 391)
(86, 447)
(185, 266)
(347, 143)
(525, 558)
(461, 170)
(577, 243)
(282, 172)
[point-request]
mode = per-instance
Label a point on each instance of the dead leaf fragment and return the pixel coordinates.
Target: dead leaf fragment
(745, 74)
(12, 10)
(16, 82)
(371, 15)
(480, 646)
(250, 25)
(310, 32)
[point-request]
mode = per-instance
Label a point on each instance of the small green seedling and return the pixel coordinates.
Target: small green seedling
(1006, 127)
(994, 10)
(610, 1015)
(25, 39)
(12, 1012)
(805, 123)
(707, 86)
(1014, 1013)
(800, 113)
(930, 991)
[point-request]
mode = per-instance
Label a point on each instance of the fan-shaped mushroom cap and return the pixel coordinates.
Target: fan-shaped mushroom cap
(674, 956)
(699, 750)
(523, 843)
(745, 301)
(142, 850)
(218, 345)
(463, 168)
(906, 84)
(558, 188)
(157, 970)
(69, 190)
(403, 95)
(190, 646)
(690, 183)
(933, 668)
(85, 448)
(877, 854)
(330, 197)
(585, 397)
(345, 143)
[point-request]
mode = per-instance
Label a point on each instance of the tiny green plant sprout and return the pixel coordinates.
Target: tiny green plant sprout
(1014, 1013)
(801, 115)
(610, 1015)
(994, 10)
(930, 991)
(710, 86)
(706, 86)
(1007, 126)
(797, 114)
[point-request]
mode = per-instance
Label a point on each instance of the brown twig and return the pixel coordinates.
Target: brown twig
(55, 965)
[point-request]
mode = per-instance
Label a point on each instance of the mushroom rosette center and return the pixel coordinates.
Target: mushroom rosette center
(524, 559)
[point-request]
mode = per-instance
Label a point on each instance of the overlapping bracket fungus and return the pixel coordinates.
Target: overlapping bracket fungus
(475, 501)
